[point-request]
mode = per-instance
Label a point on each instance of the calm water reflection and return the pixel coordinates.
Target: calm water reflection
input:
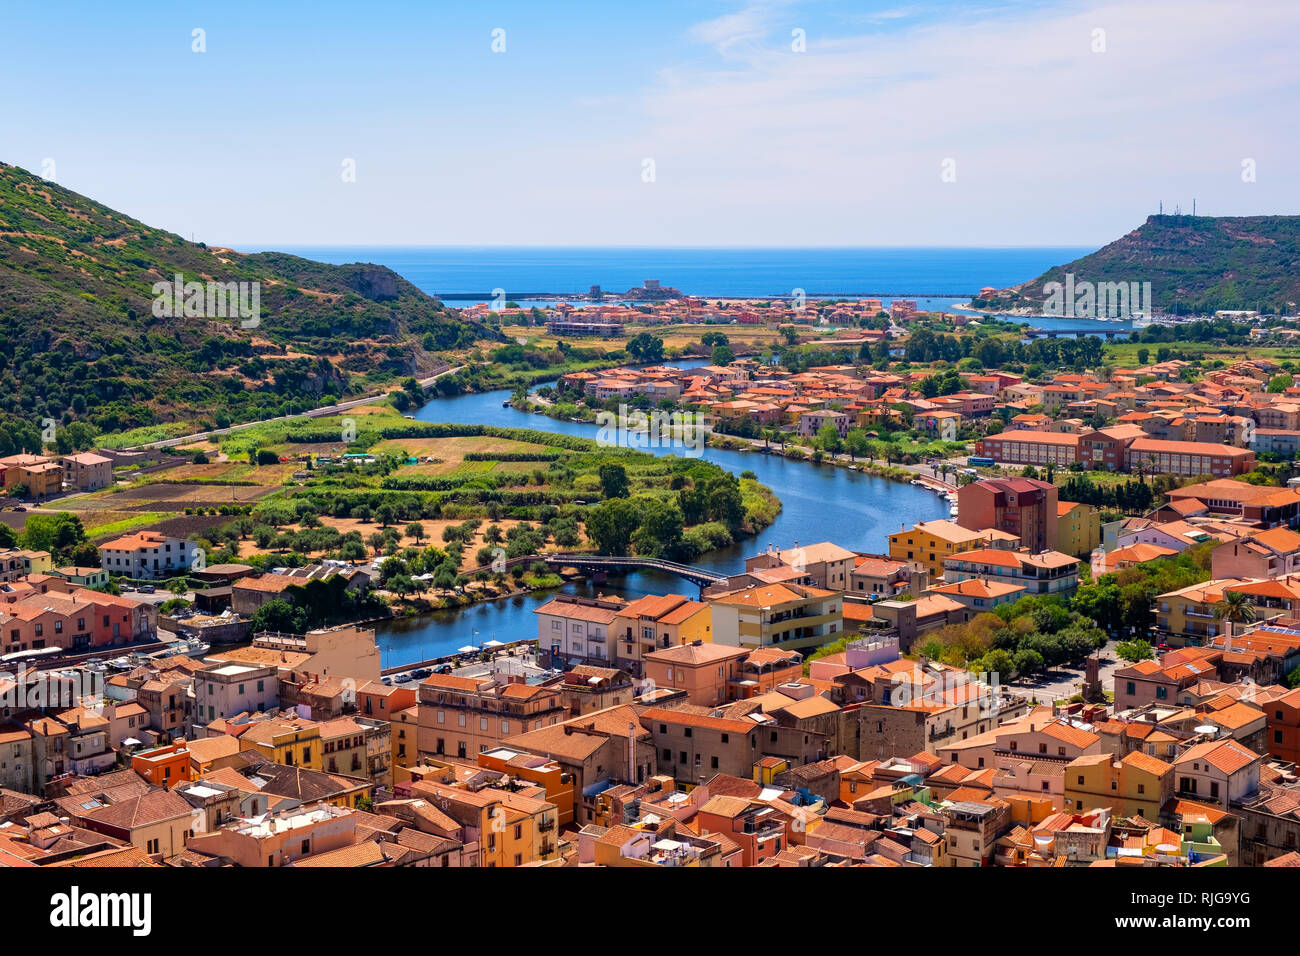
(820, 503)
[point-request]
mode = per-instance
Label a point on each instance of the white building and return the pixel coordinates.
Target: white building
(148, 554)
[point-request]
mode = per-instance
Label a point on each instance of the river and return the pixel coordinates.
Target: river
(821, 503)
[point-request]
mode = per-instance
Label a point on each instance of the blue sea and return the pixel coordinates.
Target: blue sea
(948, 275)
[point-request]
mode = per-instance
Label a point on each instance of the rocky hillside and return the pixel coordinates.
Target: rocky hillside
(87, 333)
(1195, 264)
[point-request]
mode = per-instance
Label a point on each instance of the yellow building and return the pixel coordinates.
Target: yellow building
(788, 616)
(767, 768)
(16, 563)
(654, 622)
(1078, 528)
(38, 474)
(405, 739)
(512, 829)
(1187, 615)
(291, 743)
(546, 773)
(1138, 785)
(930, 542)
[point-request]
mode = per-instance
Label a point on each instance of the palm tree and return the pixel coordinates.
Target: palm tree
(1234, 608)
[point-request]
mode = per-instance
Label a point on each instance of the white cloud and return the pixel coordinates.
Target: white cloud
(841, 145)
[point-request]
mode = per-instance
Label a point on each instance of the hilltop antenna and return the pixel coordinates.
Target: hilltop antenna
(1162, 207)
(1193, 207)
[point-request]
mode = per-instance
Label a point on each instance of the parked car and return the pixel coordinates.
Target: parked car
(387, 680)
(420, 673)
(442, 669)
(147, 589)
(402, 678)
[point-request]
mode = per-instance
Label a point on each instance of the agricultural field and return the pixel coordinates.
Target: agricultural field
(445, 504)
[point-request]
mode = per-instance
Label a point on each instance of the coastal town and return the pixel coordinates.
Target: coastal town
(1033, 681)
(758, 434)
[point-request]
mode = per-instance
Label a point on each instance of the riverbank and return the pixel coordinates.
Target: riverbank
(789, 447)
(494, 496)
(854, 508)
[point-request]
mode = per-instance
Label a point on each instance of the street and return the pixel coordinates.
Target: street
(1062, 683)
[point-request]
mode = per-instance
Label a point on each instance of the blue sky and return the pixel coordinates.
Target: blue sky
(1045, 138)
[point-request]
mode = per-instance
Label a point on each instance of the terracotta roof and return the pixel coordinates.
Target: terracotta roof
(144, 810)
(578, 612)
(697, 654)
(1226, 756)
(977, 587)
(1152, 765)
(686, 719)
(653, 605)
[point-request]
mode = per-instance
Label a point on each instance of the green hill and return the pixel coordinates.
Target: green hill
(1195, 264)
(80, 340)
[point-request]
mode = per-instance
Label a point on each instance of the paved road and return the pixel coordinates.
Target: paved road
(321, 412)
(160, 596)
(1063, 683)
